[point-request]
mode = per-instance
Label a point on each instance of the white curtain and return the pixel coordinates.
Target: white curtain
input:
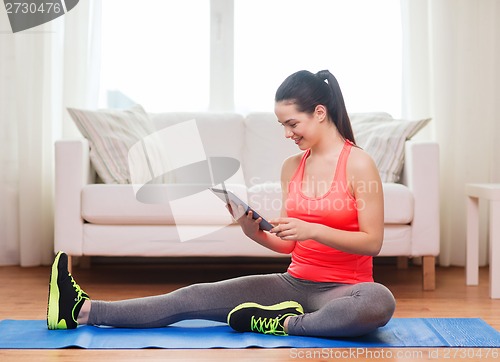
(42, 70)
(451, 73)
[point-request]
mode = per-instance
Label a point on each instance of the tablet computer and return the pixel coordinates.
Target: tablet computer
(228, 196)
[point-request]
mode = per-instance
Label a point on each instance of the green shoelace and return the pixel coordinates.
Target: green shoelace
(269, 325)
(79, 296)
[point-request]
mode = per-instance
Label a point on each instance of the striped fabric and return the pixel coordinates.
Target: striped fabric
(111, 133)
(383, 137)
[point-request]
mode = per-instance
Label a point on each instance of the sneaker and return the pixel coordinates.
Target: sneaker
(65, 296)
(253, 317)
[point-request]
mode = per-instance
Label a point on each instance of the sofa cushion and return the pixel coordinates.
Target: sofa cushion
(111, 133)
(397, 240)
(164, 240)
(398, 204)
(118, 205)
(384, 137)
(398, 201)
(266, 199)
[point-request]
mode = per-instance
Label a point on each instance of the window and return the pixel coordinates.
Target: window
(162, 60)
(155, 53)
(359, 41)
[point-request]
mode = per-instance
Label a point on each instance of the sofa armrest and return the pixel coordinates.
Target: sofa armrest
(72, 172)
(421, 175)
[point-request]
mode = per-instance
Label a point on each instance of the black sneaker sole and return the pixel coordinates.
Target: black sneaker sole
(279, 306)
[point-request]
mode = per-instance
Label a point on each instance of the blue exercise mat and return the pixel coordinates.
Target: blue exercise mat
(399, 332)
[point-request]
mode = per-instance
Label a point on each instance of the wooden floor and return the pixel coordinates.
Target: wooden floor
(23, 295)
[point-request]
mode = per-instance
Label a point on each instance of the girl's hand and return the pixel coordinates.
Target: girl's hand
(289, 228)
(249, 226)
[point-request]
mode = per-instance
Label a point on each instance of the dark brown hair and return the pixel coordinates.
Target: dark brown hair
(307, 90)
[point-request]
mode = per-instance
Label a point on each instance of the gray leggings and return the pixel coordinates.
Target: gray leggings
(331, 309)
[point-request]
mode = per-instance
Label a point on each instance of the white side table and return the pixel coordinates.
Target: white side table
(490, 192)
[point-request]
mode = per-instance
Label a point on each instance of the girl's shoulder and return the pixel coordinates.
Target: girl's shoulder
(360, 162)
(290, 165)
(360, 155)
(293, 160)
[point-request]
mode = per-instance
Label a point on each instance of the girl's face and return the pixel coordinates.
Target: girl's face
(300, 127)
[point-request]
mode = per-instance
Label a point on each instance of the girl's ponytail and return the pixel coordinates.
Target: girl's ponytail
(336, 107)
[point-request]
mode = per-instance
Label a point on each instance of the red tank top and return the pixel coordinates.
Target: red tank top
(337, 209)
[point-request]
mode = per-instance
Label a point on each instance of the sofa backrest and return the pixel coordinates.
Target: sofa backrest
(220, 133)
(257, 141)
(265, 148)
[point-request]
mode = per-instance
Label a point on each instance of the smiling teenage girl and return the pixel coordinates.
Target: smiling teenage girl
(331, 223)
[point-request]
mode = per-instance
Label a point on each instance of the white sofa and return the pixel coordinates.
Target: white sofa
(95, 219)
